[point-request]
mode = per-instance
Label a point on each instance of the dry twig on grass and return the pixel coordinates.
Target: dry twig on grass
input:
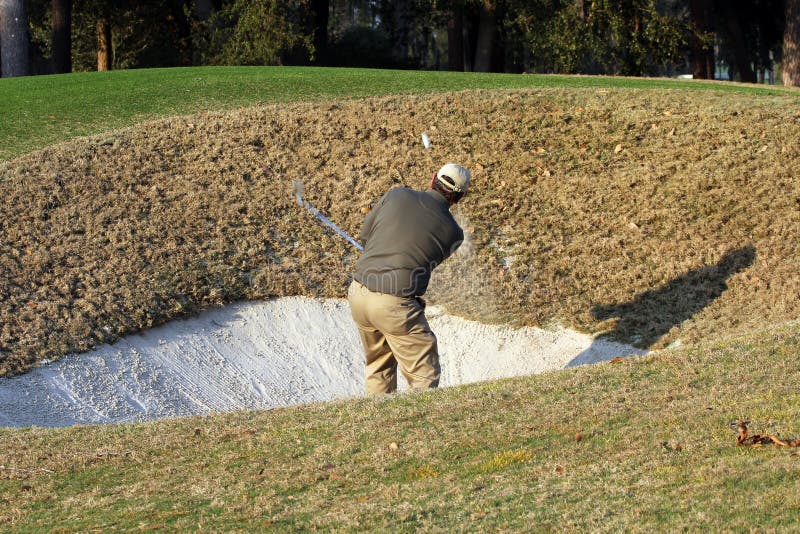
(100, 454)
(25, 471)
(756, 440)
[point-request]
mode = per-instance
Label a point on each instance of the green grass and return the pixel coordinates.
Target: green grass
(642, 445)
(654, 454)
(41, 110)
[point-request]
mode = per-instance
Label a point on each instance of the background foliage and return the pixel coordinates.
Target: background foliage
(616, 37)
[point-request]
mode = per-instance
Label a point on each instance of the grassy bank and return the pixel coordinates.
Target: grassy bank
(642, 445)
(642, 210)
(41, 110)
(650, 216)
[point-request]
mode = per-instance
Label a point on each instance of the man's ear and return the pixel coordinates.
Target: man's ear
(433, 179)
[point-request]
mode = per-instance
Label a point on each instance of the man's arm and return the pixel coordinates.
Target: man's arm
(457, 243)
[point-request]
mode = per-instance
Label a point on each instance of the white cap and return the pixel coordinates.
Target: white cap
(454, 177)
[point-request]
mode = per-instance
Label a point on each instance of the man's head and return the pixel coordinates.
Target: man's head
(451, 181)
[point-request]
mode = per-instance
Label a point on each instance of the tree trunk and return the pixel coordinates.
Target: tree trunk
(321, 14)
(455, 37)
(702, 54)
(791, 45)
(487, 30)
(740, 49)
(62, 36)
(14, 59)
(104, 52)
(400, 28)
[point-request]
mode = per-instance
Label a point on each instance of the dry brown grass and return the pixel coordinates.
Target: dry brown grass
(648, 215)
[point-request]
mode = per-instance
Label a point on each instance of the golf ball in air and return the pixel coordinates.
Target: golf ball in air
(426, 141)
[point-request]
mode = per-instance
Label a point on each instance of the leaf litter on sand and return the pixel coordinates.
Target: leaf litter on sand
(689, 232)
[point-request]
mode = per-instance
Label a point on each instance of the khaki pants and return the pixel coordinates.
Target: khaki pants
(394, 330)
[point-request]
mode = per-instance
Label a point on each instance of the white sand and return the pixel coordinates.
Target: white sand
(256, 355)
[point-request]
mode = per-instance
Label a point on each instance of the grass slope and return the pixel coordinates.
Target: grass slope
(41, 110)
(640, 446)
(648, 215)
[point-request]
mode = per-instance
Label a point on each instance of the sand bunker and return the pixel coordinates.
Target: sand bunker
(257, 355)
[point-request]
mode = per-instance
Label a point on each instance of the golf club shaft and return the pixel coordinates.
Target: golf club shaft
(331, 225)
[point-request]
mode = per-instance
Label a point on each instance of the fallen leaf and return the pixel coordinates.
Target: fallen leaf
(365, 210)
(393, 446)
(671, 132)
(546, 173)
(474, 516)
(502, 183)
(618, 149)
(763, 148)
(479, 166)
(579, 437)
(616, 360)
(667, 113)
(654, 126)
(633, 226)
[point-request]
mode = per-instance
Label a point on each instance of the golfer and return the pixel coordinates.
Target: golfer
(405, 236)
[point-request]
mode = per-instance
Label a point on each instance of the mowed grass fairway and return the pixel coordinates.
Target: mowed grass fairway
(660, 213)
(40, 110)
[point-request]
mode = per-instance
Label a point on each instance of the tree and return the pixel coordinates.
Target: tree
(14, 39)
(455, 36)
(319, 19)
(702, 52)
(256, 32)
(620, 37)
(791, 45)
(61, 21)
(104, 47)
(487, 31)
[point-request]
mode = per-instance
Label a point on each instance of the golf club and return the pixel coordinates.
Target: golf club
(298, 193)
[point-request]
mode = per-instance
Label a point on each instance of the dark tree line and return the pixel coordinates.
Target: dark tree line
(618, 37)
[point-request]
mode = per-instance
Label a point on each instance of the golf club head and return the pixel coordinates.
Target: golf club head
(298, 191)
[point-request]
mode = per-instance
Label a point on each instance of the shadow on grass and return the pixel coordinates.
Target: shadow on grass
(649, 315)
